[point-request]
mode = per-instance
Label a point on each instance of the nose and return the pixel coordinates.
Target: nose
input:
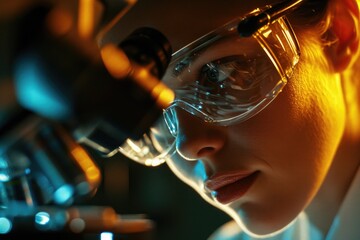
(197, 139)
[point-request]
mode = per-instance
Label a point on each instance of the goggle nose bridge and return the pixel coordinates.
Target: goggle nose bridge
(171, 119)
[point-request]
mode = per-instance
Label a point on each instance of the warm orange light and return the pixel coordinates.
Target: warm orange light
(91, 171)
(163, 95)
(109, 217)
(60, 21)
(86, 19)
(115, 61)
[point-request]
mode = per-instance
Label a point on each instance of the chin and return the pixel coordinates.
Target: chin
(257, 223)
(264, 229)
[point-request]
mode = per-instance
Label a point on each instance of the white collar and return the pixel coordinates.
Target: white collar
(345, 224)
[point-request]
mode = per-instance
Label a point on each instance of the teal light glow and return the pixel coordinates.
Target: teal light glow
(36, 91)
(199, 170)
(4, 177)
(4, 169)
(63, 195)
(334, 227)
(5, 225)
(42, 218)
(106, 236)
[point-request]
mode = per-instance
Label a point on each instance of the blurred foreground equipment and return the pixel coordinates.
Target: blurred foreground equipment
(71, 92)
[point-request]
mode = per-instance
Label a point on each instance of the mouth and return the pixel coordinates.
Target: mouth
(229, 187)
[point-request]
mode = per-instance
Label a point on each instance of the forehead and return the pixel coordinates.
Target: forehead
(182, 21)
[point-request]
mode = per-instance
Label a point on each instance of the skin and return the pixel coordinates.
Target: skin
(304, 144)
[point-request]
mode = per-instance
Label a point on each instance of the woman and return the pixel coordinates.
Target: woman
(264, 127)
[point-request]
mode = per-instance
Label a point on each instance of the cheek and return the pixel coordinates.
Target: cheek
(305, 122)
(296, 138)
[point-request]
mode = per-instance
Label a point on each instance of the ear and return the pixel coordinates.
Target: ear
(344, 29)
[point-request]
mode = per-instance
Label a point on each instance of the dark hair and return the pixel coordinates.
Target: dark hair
(310, 14)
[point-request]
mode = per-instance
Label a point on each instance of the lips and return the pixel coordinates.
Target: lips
(230, 186)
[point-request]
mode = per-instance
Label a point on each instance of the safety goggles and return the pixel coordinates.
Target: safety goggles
(224, 78)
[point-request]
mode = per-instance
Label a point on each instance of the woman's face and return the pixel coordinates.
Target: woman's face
(266, 170)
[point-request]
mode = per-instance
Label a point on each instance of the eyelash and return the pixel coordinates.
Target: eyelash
(230, 68)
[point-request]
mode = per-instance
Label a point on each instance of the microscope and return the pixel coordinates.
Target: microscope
(71, 92)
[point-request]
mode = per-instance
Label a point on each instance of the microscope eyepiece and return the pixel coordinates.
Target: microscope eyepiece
(146, 45)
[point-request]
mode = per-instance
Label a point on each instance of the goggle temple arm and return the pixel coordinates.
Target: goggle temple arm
(249, 25)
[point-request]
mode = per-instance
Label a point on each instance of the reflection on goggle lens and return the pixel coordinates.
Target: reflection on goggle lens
(223, 79)
(153, 148)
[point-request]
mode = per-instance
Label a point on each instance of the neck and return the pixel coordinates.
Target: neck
(330, 196)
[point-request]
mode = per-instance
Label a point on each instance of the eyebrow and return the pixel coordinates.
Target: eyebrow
(223, 49)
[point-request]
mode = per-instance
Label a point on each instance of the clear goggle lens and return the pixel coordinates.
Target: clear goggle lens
(223, 79)
(153, 148)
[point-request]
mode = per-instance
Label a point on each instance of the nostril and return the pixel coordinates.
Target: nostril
(205, 151)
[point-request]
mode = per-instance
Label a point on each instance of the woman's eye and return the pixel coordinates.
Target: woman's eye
(214, 73)
(230, 73)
